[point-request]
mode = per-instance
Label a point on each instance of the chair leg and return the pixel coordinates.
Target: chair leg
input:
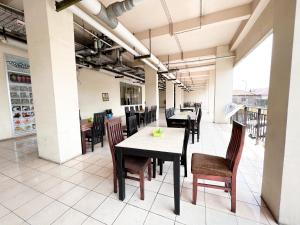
(185, 167)
(195, 182)
(142, 184)
(227, 186)
(115, 182)
(149, 171)
(160, 162)
(233, 195)
(198, 134)
(92, 145)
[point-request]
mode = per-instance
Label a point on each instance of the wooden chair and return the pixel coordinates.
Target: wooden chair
(95, 136)
(136, 108)
(132, 164)
(215, 168)
(197, 123)
(141, 107)
(183, 158)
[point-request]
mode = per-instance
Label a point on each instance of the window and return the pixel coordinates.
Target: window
(130, 94)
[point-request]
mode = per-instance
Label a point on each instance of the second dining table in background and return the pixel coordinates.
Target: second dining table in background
(182, 117)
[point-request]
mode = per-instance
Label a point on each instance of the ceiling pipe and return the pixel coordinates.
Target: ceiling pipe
(109, 17)
(88, 19)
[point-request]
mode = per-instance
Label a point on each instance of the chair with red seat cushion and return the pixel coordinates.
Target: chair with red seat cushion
(132, 164)
(215, 168)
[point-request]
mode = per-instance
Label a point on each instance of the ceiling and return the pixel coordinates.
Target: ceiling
(153, 14)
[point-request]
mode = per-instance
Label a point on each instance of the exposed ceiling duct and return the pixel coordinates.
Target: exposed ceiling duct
(109, 17)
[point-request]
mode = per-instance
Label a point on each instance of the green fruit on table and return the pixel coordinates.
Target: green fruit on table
(157, 132)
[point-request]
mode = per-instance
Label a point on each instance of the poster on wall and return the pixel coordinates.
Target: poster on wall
(20, 91)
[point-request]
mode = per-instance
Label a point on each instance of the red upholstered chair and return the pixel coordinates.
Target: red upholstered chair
(215, 168)
(132, 164)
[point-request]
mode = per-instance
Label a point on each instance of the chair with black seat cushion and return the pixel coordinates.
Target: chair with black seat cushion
(136, 108)
(141, 107)
(183, 158)
(215, 168)
(95, 136)
(131, 108)
(131, 124)
(132, 164)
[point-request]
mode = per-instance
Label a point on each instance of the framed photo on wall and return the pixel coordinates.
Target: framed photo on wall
(105, 97)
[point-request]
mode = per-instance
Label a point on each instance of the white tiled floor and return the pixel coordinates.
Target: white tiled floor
(35, 191)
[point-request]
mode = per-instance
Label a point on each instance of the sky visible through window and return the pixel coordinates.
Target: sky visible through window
(253, 72)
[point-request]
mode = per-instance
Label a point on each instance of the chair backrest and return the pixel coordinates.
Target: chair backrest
(131, 108)
(126, 109)
(136, 108)
(186, 136)
(108, 111)
(235, 147)
(98, 126)
(114, 135)
(199, 116)
(131, 125)
(141, 107)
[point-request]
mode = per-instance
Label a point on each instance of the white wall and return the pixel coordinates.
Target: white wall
(197, 96)
(91, 85)
(5, 113)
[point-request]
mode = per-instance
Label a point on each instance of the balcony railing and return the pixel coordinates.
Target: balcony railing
(255, 120)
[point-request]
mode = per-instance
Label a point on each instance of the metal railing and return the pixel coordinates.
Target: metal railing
(255, 120)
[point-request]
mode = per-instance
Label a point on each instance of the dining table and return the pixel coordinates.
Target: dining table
(167, 147)
(85, 127)
(182, 117)
(191, 109)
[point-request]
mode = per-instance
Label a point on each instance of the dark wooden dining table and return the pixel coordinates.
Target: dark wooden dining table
(85, 126)
(182, 117)
(168, 147)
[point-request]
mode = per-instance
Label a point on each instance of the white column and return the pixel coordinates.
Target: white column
(151, 86)
(169, 94)
(50, 37)
(211, 95)
(223, 84)
(281, 182)
(178, 97)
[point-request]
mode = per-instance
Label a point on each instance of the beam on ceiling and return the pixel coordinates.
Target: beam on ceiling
(182, 67)
(198, 69)
(209, 52)
(257, 8)
(238, 13)
(61, 5)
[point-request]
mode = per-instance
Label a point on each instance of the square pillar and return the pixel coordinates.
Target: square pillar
(211, 95)
(223, 84)
(178, 97)
(169, 94)
(281, 182)
(151, 88)
(50, 37)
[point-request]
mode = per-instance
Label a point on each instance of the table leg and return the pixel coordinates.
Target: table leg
(120, 174)
(176, 174)
(154, 167)
(193, 131)
(83, 143)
